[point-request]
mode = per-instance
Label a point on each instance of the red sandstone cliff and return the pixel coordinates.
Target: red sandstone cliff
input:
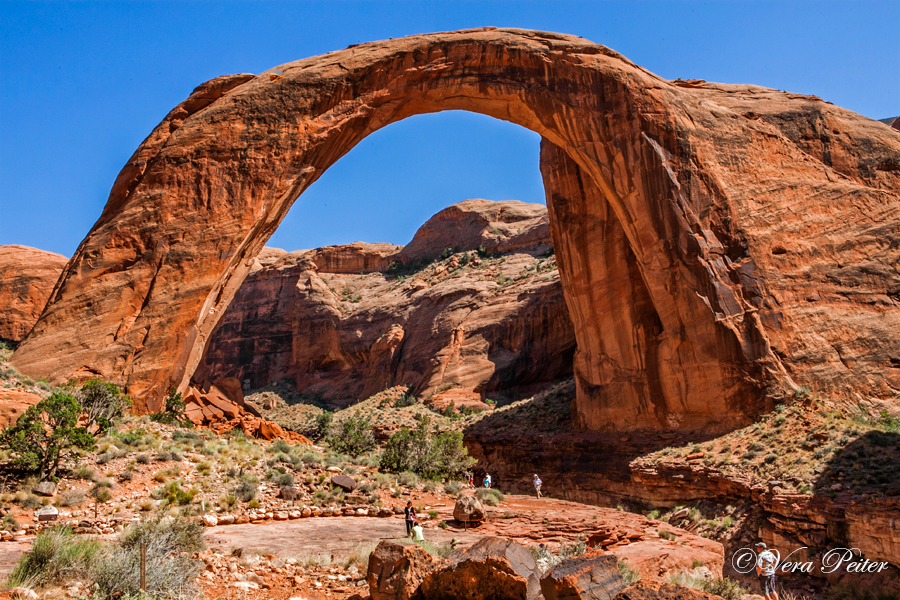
(492, 323)
(27, 277)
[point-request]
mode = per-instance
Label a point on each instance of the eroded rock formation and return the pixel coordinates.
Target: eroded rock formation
(482, 323)
(755, 233)
(27, 277)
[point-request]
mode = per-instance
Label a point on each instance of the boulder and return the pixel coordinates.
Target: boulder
(395, 570)
(210, 520)
(45, 488)
(346, 483)
(468, 509)
(592, 576)
(493, 569)
(654, 590)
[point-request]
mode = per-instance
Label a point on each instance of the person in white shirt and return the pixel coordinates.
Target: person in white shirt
(537, 485)
(765, 570)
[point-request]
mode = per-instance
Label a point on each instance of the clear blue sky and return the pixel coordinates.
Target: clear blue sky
(82, 84)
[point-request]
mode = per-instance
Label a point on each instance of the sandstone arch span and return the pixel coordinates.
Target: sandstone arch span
(714, 241)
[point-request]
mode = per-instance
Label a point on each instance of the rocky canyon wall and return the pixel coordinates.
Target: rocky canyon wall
(486, 323)
(27, 276)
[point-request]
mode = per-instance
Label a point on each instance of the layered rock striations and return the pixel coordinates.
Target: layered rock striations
(27, 276)
(754, 232)
(475, 321)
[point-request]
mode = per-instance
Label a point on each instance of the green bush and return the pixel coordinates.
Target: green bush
(432, 455)
(173, 413)
(45, 434)
(405, 399)
(320, 426)
(352, 435)
(102, 403)
(56, 555)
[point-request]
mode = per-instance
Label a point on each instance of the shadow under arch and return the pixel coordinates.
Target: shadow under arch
(197, 201)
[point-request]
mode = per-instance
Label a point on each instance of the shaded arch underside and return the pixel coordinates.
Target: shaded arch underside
(666, 201)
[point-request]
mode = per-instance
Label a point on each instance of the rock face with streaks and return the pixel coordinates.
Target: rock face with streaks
(492, 569)
(478, 321)
(717, 243)
(592, 576)
(27, 277)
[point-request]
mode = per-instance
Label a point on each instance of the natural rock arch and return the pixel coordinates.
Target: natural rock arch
(665, 200)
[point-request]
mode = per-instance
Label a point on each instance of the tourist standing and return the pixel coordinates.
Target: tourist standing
(409, 514)
(537, 485)
(765, 570)
(487, 480)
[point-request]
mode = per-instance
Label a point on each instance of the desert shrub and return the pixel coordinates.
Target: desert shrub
(352, 435)
(285, 479)
(280, 447)
(28, 501)
(405, 399)
(102, 403)
(100, 492)
(452, 489)
(408, 478)
(667, 535)
(131, 439)
(71, 498)
(45, 434)
(173, 413)
(311, 459)
(246, 488)
(56, 555)
(629, 574)
(490, 496)
(359, 556)
(174, 493)
(84, 473)
(184, 535)
(429, 454)
(142, 459)
(170, 570)
(9, 523)
(320, 427)
(441, 550)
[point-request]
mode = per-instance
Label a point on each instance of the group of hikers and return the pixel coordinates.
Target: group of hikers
(470, 478)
